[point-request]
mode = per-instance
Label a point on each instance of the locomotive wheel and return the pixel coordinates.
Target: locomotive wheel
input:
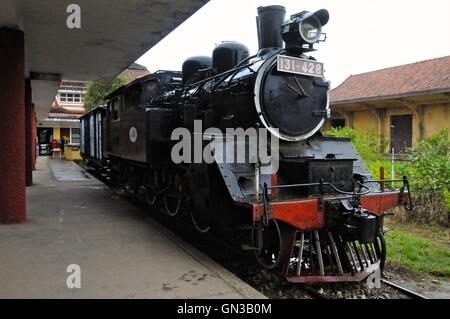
(172, 199)
(199, 221)
(132, 184)
(274, 244)
(150, 195)
(172, 204)
(151, 188)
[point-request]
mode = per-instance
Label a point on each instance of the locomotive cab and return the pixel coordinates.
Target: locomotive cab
(133, 122)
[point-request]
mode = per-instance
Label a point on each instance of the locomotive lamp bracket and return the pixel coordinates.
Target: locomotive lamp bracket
(323, 37)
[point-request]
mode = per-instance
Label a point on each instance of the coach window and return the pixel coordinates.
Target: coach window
(114, 105)
(151, 89)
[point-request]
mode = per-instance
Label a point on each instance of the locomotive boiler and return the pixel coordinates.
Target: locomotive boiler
(316, 215)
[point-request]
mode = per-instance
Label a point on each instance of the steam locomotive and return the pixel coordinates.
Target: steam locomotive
(317, 216)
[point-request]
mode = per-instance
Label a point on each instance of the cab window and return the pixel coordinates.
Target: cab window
(114, 107)
(133, 97)
(150, 90)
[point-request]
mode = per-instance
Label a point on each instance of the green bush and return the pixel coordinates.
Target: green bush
(428, 169)
(429, 164)
(367, 146)
(446, 194)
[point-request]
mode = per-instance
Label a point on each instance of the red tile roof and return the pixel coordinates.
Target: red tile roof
(134, 71)
(427, 76)
(58, 111)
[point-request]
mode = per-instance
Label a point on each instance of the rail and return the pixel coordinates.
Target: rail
(406, 291)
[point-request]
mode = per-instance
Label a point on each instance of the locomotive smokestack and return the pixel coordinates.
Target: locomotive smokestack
(269, 21)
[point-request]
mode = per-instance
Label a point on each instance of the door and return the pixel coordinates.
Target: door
(45, 140)
(401, 133)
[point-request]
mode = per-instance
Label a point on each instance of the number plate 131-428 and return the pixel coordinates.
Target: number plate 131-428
(299, 66)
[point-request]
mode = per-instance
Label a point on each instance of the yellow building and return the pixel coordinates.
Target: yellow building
(407, 102)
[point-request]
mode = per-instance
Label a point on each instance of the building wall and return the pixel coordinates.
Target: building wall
(364, 121)
(432, 118)
(436, 118)
(56, 133)
(60, 132)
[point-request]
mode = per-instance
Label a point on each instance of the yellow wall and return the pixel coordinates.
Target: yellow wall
(56, 133)
(364, 121)
(436, 118)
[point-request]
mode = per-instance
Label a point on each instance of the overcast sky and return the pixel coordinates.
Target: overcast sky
(363, 35)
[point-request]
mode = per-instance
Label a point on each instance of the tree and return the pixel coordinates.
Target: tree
(98, 90)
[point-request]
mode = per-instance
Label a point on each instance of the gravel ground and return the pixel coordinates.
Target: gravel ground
(274, 286)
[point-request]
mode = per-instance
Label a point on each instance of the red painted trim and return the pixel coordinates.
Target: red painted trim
(303, 214)
(379, 203)
(274, 183)
(382, 178)
(339, 278)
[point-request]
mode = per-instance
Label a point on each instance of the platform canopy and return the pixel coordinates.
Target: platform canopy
(113, 34)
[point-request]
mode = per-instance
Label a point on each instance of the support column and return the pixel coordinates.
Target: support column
(421, 113)
(28, 134)
(12, 126)
(34, 136)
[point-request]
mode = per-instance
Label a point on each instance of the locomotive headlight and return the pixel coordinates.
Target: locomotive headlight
(310, 29)
(304, 29)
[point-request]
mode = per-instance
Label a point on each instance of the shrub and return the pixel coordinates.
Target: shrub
(367, 146)
(428, 209)
(429, 163)
(428, 170)
(427, 166)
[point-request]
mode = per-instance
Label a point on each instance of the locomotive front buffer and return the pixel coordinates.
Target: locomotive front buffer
(328, 238)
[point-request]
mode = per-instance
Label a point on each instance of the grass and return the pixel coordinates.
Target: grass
(419, 248)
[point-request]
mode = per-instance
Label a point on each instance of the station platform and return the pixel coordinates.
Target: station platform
(121, 251)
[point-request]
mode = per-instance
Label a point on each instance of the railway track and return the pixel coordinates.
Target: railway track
(404, 290)
(408, 292)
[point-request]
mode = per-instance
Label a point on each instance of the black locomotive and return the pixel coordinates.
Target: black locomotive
(317, 216)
